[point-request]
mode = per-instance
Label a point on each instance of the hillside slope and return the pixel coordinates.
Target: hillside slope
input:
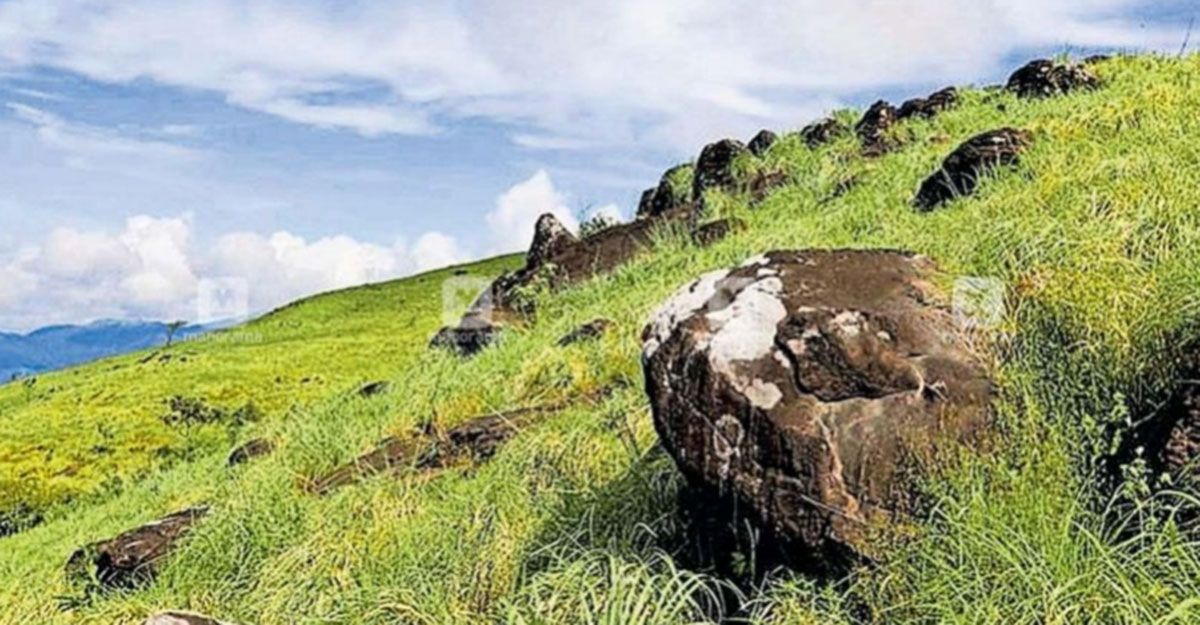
(1095, 237)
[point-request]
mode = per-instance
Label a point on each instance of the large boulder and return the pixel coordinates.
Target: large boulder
(132, 558)
(809, 387)
(821, 132)
(1168, 435)
(251, 449)
(873, 127)
(762, 142)
(937, 102)
(666, 197)
(960, 172)
(1044, 78)
(714, 168)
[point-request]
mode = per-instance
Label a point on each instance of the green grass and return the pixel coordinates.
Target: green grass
(1096, 237)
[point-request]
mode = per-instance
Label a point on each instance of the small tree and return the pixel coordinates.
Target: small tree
(173, 328)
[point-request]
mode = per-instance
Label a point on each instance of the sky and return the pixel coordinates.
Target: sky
(151, 147)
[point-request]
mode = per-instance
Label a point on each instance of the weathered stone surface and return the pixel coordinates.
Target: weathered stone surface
(762, 142)
(134, 557)
(182, 618)
(591, 330)
(1044, 78)
(819, 133)
(808, 386)
(664, 198)
(714, 168)
(250, 450)
(937, 102)
(1168, 438)
(872, 128)
(960, 172)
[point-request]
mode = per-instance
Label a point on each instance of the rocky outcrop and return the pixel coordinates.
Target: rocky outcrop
(937, 102)
(251, 449)
(714, 168)
(960, 172)
(475, 440)
(763, 184)
(809, 386)
(872, 129)
(819, 133)
(134, 557)
(589, 331)
(762, 142)
(1044, 78)
(1167, 436)
(182, 618)
(665, 197)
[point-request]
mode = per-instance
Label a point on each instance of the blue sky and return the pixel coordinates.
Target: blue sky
(147, 145)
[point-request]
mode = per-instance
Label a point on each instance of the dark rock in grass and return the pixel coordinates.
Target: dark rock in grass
(182, 618)
(374, 388)
(714, 168)
(810, 386)
(1044, 78)
(550, 237)
(1096, 59)
(469, 337)
(254, 448)
(1169, 437)
(714, 231)
(960, 172)
(763, 183)
(475, 440)
(873, 127)
(133, 558)
(18, 518)
(762, 142)
(819, 133)
(937, 102)
(664, 198)
(591, 330)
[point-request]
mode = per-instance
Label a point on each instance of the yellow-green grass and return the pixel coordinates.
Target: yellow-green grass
(71, 433)
(1096, 237)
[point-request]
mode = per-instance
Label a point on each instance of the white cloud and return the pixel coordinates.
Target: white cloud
(152, 268)
(567, 75)
(517, 209)
(609, 212)
(88, 146)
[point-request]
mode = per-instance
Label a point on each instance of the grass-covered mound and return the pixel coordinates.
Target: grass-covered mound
(1095, 236)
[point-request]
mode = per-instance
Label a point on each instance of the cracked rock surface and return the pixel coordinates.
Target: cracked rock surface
(807, 385)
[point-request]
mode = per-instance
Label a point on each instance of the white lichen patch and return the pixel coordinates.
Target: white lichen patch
(849, 323)
(680, 306)
(753, 261)
(762, 394)
(726, 440)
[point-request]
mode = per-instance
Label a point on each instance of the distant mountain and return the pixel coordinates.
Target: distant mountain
(55, 347)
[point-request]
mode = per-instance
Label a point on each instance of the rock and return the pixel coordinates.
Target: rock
(474, 333)
(960, 172)
(1168, 436)
(819, 133)
(872, 128)
(250, 450)
(373, 389)
(714, 231)
(133, 558)
(762, 142)
(550, 237)
(1044, 78)
(182, 618)
(763, 183)
(806, 385)
(476, 440)
(714, 168)
(664, 198)
(591, 330)
(937, 102)
(1096, 59)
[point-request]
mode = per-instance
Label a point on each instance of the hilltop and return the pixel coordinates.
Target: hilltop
(571, 510)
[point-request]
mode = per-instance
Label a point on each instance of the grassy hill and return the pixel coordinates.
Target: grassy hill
(1096, 237)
